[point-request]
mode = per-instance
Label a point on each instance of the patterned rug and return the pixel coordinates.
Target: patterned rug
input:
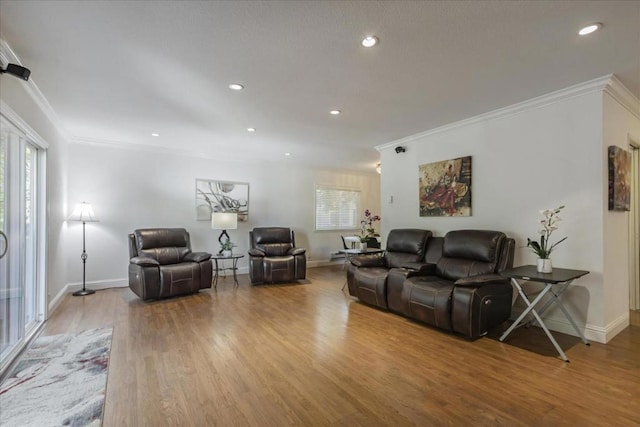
(59, 381)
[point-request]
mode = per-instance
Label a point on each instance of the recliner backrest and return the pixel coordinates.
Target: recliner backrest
(469, 253)
(165, 245)
(406, 245)
(273, 241)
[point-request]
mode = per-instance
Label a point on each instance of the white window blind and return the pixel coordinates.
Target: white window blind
(337, 208)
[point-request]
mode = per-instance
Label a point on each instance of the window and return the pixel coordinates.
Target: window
(22, 220)
(337, 208)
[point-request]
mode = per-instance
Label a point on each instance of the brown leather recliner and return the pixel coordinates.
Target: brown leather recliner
(273, 256)
(367, 275)
(463, 292)
(162, 264)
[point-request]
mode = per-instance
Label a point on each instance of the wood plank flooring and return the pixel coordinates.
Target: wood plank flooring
(308, 355)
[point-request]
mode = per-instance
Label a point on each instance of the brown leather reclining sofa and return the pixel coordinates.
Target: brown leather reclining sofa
(450, 282)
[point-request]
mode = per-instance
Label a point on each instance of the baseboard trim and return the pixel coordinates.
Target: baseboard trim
(591, 332)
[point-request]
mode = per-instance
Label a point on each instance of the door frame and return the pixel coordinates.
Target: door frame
(634, 226)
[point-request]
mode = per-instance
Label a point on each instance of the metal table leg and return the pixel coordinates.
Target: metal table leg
(235, 268)
(530, 308)
(214, 281)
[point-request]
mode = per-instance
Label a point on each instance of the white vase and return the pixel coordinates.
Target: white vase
(544, 265)
(363, 246)
(226, 254)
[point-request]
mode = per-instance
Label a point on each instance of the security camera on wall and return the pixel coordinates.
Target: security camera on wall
(400, 149)
(17, 70)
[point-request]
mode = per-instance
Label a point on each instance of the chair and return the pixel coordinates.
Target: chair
(162, 264)
(273, 256)
(367, 276)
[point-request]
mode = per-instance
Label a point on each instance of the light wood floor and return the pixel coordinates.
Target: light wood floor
(309, 355)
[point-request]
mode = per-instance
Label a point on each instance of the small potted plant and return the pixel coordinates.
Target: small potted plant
(367, 230)
(544, 247)
(227, 248)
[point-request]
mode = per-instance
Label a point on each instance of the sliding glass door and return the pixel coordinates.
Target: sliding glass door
(21, 239)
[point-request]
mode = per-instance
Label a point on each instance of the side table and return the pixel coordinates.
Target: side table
(217, 269)
(555, 283)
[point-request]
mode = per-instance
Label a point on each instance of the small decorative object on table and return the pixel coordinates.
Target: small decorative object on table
(367, 230)
(227, 248)
(544, 248)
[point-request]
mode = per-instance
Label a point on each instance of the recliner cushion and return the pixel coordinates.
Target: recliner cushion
(469, 253)
(176, 279)
(165, 245)
(406, 245)
(428, 299)
(279, 269)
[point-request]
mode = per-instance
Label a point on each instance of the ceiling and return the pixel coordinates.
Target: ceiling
(116, 72)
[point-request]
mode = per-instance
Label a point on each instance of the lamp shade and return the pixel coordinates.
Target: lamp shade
(224, 220)
(83, 212)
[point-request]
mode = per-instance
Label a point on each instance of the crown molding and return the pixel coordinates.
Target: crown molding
(595, 85)
(7, 55)
(623, 96)
(23, 126)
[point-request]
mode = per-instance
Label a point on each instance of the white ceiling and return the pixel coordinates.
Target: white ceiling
(114, 72)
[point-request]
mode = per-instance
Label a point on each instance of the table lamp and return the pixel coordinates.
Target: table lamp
(224, 221)
(83, 212)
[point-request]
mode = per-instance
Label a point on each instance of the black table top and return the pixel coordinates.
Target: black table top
(216, 256)
(368, 251)
(530, 272)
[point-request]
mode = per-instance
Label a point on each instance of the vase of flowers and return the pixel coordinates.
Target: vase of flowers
(367, 229)
(544, 247)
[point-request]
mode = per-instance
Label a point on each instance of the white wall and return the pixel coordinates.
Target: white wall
(132, 189)
(620, 127)
(540, 155)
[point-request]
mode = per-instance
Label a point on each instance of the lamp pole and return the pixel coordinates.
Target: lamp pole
(84, 256)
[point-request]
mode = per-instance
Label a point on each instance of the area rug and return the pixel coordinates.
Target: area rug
(59, 381)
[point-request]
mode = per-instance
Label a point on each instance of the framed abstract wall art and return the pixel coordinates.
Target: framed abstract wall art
(445, 188)
(619, 179)
(221, 196)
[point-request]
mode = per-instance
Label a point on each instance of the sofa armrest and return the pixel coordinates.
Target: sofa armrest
(297, 251)
(256, 253)
(144, 261)
(197, 256)
(420, 268)
(481, 280)
(368, 261)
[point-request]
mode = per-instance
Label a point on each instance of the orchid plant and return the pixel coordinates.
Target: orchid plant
(367, 230)
(549, 224)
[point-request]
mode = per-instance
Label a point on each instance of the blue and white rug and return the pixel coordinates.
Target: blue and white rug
(59, 381)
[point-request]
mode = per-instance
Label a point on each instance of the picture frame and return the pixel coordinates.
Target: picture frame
(445, 188)
(221, 196)
(619, 179)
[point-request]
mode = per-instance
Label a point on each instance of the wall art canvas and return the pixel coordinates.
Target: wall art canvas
(221, 196)
(445, 188)
(619, 179)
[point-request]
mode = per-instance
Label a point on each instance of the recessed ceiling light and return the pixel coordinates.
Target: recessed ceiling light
(155, 134)
(251, 129)
(287, 154)
(334, 112)
(590, 29)
(236, 86)
(369, 41)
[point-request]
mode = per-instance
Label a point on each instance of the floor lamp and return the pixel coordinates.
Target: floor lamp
(83, 212)
(224, 221)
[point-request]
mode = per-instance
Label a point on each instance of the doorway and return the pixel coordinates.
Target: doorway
(634, 227)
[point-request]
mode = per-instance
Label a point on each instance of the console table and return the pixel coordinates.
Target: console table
(217, 269)
(555, 283)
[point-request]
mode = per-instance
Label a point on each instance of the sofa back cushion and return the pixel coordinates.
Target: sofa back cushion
(274, 241)
(469, 253)
(165, 245)
(406, 245)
